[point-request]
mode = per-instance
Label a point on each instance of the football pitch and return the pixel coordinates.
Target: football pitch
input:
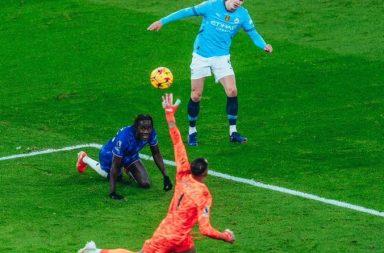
(75, 71)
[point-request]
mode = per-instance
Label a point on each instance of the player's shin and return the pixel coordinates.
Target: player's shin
(232, 107)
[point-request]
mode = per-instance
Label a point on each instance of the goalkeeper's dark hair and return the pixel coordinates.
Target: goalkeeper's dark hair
(142, 117)
(199, 166)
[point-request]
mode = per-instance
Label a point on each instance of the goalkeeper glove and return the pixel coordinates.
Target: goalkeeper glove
(167, 183)
(227, 235)
(169, 107)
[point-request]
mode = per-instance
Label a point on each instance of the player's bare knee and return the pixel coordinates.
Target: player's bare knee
(231, 92)
(196, 96)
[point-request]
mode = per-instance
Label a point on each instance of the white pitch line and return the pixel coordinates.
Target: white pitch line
(48, 151)
(220, 175)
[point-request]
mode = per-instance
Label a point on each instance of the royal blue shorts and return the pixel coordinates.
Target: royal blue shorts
(105, 159)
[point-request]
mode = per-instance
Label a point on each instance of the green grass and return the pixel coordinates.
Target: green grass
(74, 71)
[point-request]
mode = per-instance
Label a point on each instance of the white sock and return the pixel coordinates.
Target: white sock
(95, 166)
(192, 130)
(232, 128)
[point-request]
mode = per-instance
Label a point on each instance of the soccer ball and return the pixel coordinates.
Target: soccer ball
(161, 78)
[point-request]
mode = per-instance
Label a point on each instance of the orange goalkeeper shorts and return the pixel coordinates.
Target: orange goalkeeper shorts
(160, 244)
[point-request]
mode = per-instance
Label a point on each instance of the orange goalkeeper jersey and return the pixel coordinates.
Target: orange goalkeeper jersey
(190, 203)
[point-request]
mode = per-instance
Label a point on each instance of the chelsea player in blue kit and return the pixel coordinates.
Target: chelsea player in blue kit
(221, 21)
(122, 151)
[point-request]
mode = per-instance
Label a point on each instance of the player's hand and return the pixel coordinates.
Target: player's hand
(169, 107)
(155, 26)
(114, 195)
(268, 48)
(167, 183)
(228, 236)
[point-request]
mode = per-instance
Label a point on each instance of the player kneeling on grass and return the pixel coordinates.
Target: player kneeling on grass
(190, 203)
(123, 151)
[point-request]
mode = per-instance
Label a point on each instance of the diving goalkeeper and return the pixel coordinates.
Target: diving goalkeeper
(190, 203)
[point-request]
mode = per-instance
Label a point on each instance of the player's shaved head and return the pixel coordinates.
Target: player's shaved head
(199, 166)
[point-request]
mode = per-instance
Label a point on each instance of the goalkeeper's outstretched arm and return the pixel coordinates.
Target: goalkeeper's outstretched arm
(181, 158)
(205, 224)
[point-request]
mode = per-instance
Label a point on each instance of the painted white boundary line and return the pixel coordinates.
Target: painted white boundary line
(48, 151)
(220, 175)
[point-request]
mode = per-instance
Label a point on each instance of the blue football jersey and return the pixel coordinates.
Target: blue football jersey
(125, 144)
(217, 27)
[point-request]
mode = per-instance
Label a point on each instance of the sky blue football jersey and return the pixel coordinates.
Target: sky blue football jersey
(217, 27)
(125, 144)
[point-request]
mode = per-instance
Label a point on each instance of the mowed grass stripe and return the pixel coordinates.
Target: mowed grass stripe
(220, 175)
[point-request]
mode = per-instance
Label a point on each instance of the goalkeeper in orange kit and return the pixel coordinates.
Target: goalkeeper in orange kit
(190, 203)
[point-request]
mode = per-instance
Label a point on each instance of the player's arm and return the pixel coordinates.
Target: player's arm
(158, 158)
(114, 172)
(183, 13)
(198, 10)
(206, 228)
(181, 158)
(256, 38)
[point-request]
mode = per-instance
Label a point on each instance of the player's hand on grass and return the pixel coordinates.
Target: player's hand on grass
(228, 236)
(155, 26)
(114, 195)
(268, 48)
(170, 107)
(167, 183)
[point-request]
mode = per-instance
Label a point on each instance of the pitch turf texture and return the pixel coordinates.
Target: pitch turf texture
(73, 72)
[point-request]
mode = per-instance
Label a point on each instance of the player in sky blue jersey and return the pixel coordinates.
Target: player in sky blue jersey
(122, 151)
(222, 19)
